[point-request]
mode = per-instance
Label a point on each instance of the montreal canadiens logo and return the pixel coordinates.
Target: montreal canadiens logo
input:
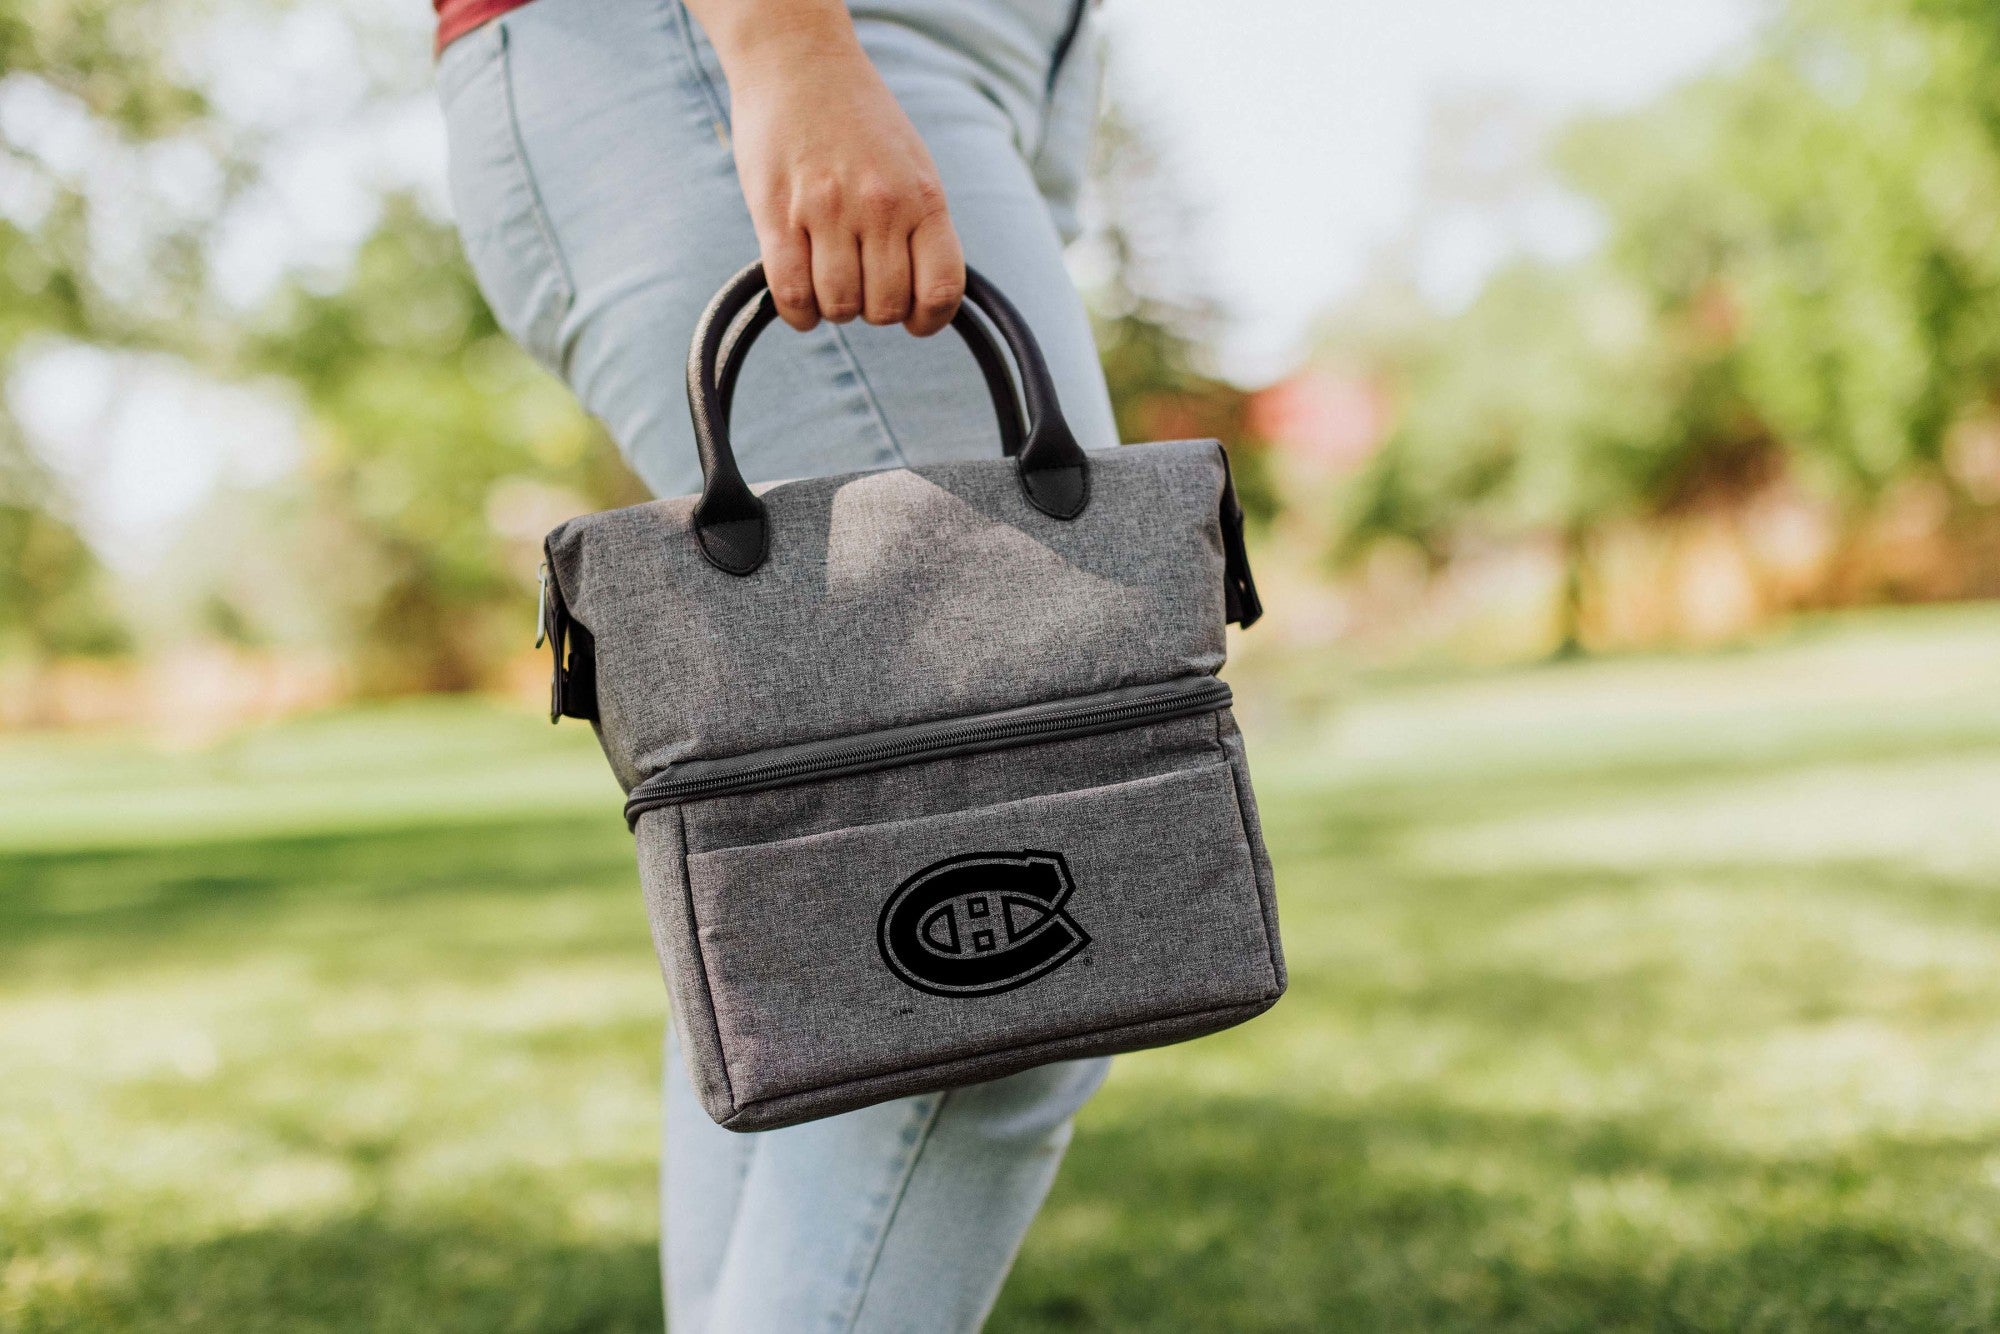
(980, 923)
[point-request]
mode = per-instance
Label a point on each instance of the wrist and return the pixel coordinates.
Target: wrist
(800, 41)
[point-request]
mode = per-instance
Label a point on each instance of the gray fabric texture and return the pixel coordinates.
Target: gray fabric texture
(907, 596)
(1164, 887)
(786, 1011)
(896, 597)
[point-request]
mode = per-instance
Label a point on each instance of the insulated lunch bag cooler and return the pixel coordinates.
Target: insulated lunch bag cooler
(930, 771)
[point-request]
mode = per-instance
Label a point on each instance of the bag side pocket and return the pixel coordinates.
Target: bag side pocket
(662, 841)
(837, 957)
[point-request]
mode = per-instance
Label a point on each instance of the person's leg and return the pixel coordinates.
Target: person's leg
(702, 1173)
(598, 201)
(901, 1218)
(593, 177)
(994, 145)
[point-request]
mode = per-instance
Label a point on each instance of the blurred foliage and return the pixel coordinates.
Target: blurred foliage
(435, 453)
(1801, 276)
(104, 53)
(54, 598)
(1153, 325)
(1799, 285)
(96, 68)
(439, 455)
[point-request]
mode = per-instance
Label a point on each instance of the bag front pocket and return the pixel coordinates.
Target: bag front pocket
(856, 952)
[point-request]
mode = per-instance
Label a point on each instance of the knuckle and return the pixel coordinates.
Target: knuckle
(791, 294)
(938, 298)
(879, 201)
(927, 198)
(820, 198)
(886, 312)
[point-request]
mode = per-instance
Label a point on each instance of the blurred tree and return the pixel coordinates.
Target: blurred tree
(1153, 324)
(1801, 275)
(55, 597)
(1834, 207)
(435, 452)
(80, 71)
(438, 456)
(1546, 409)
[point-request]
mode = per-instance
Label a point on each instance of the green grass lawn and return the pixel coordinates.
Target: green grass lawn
(1656, 994)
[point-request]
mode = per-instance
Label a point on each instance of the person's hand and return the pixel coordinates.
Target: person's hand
(849, 212)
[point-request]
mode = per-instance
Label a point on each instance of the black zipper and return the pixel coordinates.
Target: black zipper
(1111, 711)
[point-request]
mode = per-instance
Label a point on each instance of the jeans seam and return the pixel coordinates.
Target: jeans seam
(874, 1259)
(871, 404)
(537, 209)
(1062, 71)
(1065, 46)
(691, 48)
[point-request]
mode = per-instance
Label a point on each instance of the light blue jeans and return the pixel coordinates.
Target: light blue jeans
(597, 197)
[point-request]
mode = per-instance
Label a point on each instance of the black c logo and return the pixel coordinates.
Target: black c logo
(980, 923)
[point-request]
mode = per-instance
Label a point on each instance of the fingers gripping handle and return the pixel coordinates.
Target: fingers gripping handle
(763, 310)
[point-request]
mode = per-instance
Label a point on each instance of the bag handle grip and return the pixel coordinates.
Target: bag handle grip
(729, 520)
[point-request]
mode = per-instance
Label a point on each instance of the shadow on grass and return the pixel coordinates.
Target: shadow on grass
(1223, 1214)
(1248, 1215)
(1189, 1213)
(88, 908)
(451, 1272)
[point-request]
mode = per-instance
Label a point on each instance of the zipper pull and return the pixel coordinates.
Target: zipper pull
(550, 629)
(1239, 590)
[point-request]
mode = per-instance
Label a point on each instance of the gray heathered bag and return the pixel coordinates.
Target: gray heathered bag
(931, 774)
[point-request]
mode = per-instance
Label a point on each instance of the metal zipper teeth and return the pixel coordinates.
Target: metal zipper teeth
(1208, 697)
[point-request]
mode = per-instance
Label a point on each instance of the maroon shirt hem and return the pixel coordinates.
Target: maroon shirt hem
(459, 17)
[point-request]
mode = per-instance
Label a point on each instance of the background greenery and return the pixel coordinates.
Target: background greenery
(1797, 295)
(1647, 995)
(1650, 993)
(1793, 314)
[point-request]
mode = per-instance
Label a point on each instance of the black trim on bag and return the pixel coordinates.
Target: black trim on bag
(1240, 602)
(573, 650)
(731, 525)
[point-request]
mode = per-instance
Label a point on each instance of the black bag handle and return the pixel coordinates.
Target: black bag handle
(992, 364)
(729, 520)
